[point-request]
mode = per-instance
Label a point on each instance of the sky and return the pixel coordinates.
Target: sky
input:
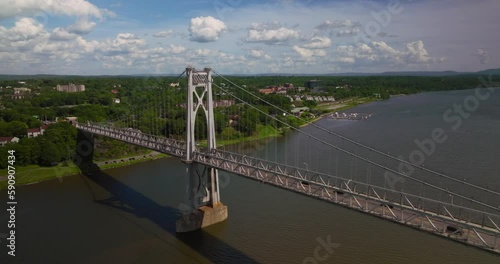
(111, 37)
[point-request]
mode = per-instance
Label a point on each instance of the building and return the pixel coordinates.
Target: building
(276, 89)
(312, 84)
(266, 91)
(6, 140)
(223, 103)
(116, 100)
(300, 110)
(37, 131)
(174, 84)
(20, 93)
(71, 88)
(71, 119)
(21, 90)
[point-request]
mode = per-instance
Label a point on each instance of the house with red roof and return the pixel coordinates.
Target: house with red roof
(6, 140)
(37, 131)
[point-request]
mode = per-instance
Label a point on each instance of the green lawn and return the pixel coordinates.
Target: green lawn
(35, 173)
(262, 133)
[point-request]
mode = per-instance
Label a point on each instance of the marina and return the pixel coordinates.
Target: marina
(350, 116)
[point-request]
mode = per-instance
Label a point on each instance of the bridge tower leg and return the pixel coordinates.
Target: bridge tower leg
(203, 206)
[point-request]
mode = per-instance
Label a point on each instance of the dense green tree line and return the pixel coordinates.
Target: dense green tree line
(57, 144)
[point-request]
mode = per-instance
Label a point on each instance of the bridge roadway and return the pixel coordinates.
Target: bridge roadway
(461, 224)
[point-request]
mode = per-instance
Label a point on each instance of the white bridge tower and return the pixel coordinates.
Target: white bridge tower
(203, 206)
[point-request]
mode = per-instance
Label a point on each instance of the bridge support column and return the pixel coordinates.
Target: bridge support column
(203, 207)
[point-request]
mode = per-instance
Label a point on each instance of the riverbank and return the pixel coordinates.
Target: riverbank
(339, 106)
(34, 174)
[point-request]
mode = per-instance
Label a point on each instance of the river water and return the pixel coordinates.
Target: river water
(127, 215)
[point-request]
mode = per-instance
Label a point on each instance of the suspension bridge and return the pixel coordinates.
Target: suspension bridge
(428, 200)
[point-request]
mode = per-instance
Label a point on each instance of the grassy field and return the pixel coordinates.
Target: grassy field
(34, 173)
(345, 104)
(262, 133)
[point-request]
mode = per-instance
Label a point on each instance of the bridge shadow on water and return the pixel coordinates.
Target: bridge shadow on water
(125, 198)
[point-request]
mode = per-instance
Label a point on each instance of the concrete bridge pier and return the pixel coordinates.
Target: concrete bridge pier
(203, 206)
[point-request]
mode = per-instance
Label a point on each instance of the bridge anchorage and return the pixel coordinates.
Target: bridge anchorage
(203, 206)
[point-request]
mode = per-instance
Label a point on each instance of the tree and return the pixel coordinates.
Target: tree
(50, 154)
(16, 129)
(230, 133)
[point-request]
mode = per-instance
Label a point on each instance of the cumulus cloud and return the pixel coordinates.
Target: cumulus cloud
(381, 52)
(171, 49)
(82, 26)
(483, 56)
(271, 33)
(206, 29)
(29, 43)
(258, 54)
(24, 29)
(416, 53)
(57, 7)
(163, 34)
(337, 24)
(348, 32)
(60, 34)
(319, 43)
(204, 52)
(308, 54)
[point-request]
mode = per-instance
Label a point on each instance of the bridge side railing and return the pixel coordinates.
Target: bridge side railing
(161, 144)
(388, 203)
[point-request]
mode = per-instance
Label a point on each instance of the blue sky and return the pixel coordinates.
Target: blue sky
(245, 37)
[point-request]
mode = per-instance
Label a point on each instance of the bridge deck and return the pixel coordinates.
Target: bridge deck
(462, 224)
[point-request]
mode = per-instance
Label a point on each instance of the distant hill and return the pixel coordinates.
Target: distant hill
(402, 73)
(489, 71)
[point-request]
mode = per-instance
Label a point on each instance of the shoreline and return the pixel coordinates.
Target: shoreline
(61, 171)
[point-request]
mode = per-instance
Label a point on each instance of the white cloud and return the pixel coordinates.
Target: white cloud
(56, 7)
(337, 24)
(206, 29)
(24, 29)
(308, 54)
(416, 53)
(348, 60)
(381, 52)
(271, 33)
(82, 26)
(175, 49)
(61, 35)
(483, 56)
(205, 52)
(258, 54)
(386, 49)
(319, 43)
(164, 34)
(348, 32)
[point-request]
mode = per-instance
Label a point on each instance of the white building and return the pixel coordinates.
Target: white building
(5, 140)
(71, 88)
